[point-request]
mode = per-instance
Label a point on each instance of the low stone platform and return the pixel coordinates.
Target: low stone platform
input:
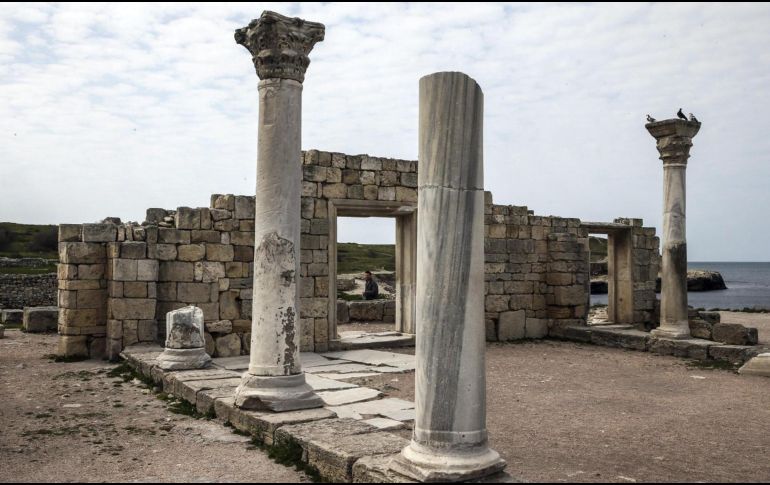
(625, 337)
(11, 317)
(371, 340)
(41, 319)
(355, 424)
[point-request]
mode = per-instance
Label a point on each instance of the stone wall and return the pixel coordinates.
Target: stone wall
(370, 311)
(22, 290)
(118, 281)
(536, 272)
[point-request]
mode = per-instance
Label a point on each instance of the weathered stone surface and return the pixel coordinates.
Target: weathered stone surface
(184, 341)
(512, 326)
(734, 354)
(368, 311)
(132, 308)
(228, 345)
(758, 366)
(191, 252)
(219, 326)
(735, 334)
(176, 271)
(81, 253)
(620, 338)
(12, 317)
(40, 319)
(687, 348)
(99, 232)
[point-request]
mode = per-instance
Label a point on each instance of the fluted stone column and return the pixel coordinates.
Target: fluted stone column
(449, 441)
(274, 381)
(674, 139)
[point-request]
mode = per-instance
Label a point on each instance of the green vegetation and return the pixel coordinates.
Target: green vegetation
(598, 246)
(357, 258)
(28, 241)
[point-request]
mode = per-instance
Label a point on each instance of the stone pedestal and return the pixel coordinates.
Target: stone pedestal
(449, 442)
(674, 139)
(758, 366)
(185, 343)
(274, 381)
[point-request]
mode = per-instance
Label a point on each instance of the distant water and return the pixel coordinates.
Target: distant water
(748, 285)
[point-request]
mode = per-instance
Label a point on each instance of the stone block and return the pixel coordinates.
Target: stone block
(342, 312)
(496, 303)
(335, 191)
(92, 299)
(244, 207)
(168, 235)
(536, 328)
(73, 346)
(191, 252)
(132, 308)
(313, 307)
(205, 236)
(219, 252)
(220, 326)
(147, 330)
(162, 252)
(405, 194)
(147, 270)
(735, 334)
(620, 338)
(686, 348)
(386, 193)
(86, 317)
(223, 201)
(734, 354)
(228, 345)
(194, 292)
(70, 232)
(40, 319)
(229, 305)
(512, 326)
(700, 329)
(176, 271)
(124, 270)
(187, 218)
(81, 253)
(99, 233)
(209, 272)
(90, 271)
(366, 311)
(133, 250)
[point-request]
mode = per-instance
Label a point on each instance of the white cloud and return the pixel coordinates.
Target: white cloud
(108, 109)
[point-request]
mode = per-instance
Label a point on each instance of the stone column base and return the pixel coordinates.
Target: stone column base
(671, 332)
(184, 359)
(276, 393)
(758, 366)
(436, 465)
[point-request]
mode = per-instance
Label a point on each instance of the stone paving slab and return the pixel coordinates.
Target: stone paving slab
(240, 363)
(353, 375)
(334, 457)
(323, 384)
(206, 398)
(190, 390)
(374, 357)
(388, 407)
(384, 423)
(348, 396)
(376, 469)
(338, 368)
(371, 341)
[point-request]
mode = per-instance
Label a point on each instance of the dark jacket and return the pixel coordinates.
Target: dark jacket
(371, 291)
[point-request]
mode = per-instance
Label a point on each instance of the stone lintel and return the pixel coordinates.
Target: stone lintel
(280, 45)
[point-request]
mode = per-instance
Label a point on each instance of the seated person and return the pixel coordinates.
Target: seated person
(371, 291)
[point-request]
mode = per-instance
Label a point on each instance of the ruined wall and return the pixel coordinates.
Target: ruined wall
(23, 290)
(118, 281)
(536, 273)
(645, 260)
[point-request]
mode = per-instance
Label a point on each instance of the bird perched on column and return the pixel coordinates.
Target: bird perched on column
(693, 118)
(650, 119)
(681, 115)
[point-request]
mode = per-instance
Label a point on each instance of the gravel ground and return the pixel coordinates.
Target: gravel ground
(566, 412)
(72, 422)
(557, 411)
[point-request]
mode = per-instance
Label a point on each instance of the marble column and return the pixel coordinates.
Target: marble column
(274, 380)
(674, 139)
(449, 441)
(185, 344)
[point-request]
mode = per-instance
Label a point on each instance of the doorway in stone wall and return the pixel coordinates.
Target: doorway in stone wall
(611, 265)
(388, 320)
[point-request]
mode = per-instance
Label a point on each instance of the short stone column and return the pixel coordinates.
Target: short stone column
(674, 139)
(274, 381)
(185, 343)
(449, 441)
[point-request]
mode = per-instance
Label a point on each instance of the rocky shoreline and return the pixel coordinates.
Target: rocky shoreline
(697, 280)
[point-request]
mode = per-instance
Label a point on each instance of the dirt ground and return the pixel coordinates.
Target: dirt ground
(761, 321)
(72, 422)
(557, 411)
(567, 412)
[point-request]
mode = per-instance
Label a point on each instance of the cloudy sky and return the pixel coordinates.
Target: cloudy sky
(106, 110)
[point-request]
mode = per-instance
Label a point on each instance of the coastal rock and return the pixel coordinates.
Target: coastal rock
(701, 280)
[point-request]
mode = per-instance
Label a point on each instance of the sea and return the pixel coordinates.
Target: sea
(748, 286)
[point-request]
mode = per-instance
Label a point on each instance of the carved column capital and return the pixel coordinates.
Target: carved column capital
(674, 139)
(280, 45)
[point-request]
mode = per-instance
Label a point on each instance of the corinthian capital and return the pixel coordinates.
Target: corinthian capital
(674, 139)
(280, 45)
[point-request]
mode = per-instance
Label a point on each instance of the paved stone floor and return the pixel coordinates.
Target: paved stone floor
(557, 411)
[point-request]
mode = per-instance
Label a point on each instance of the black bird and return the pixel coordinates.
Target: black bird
(681, 115)
(650, 119)
(693, 118)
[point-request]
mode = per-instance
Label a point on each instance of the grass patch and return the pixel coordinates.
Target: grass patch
(357, 258)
